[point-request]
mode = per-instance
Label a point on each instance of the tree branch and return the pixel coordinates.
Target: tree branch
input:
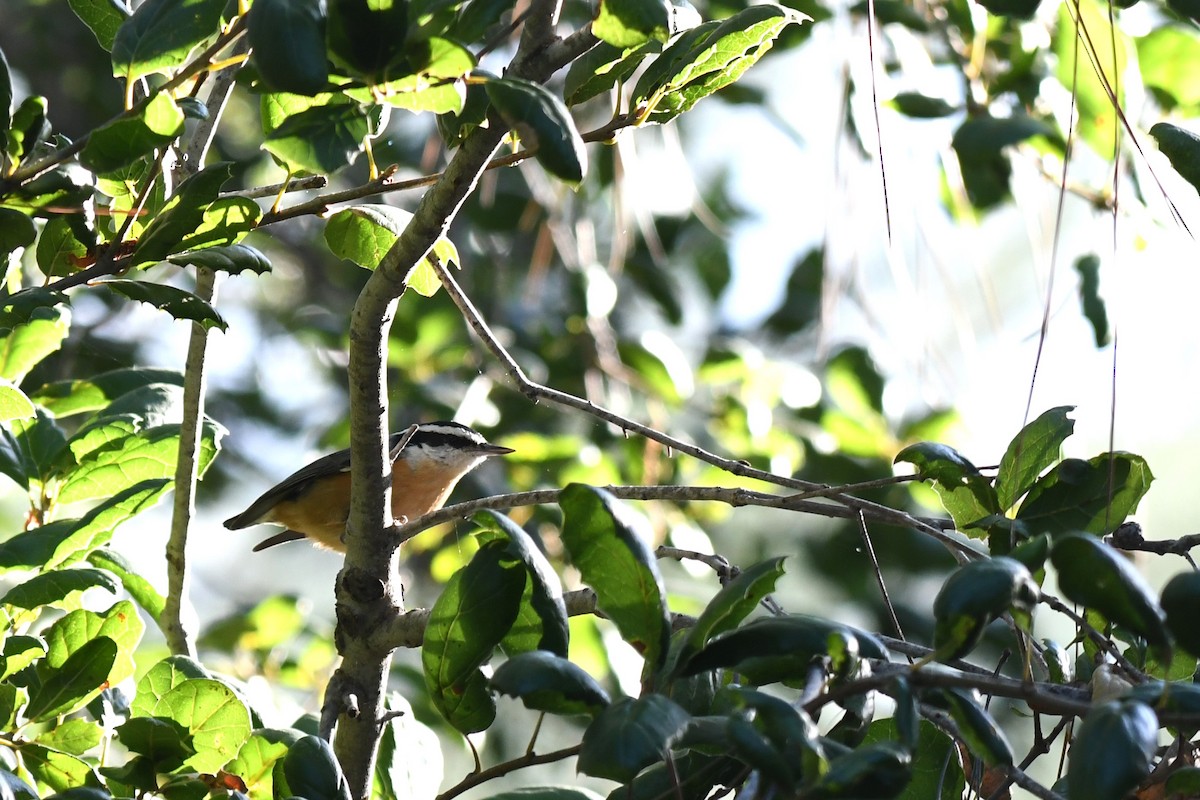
(195, 378)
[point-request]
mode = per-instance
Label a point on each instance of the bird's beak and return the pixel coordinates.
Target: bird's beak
(490, 450)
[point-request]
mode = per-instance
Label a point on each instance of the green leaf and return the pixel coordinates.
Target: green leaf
(981, 733)
(55, 771)
(629, 23)
(313, 771)
(607, 543)
(919, 106)
(160, 679)
(16, 231)
(364, 234)
(140, 589)
(544, 591)
(1182, 149)
(59, 251)
(103, 17)
(967, 496)
(547, 793)
(937, 770)
(14, 404)
(321, 138)
(1093, 496)
(730, 606)
(367, 37)
(71, 633)
(60, 588)
(224, 223)
(132, 137)
(72, 685)
(432, 81)
(1095, 575)
(602, 68)
(178, 303)
(19, 308)
(1108, 50)
(234, 259)
(1113, 751)
(1094, 309)
(30, 449)
(975, 595)
(543, 123)
(75, 736)
(547, 682)
(630, 735)
(708, 58)
(64, 398)
(468, 620)
(20, 652)
(1181, 602)
(24, 346)
(149, 455)
(164, 742)
(256, 760)
(161, 35)
(937, 462)
(882, 769)
(287, 38)
(1021, 9)
(212, 713)
(1183, 782)
(770, 649)
(1164, 56)
(1035, 448)
(182, 215)
(979, 144)
(410, 756)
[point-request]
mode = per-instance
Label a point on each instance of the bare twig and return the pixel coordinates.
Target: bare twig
(195, 377)
(1128, 536)
(536, 392)
(521, 762)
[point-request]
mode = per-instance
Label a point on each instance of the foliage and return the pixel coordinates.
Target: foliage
(126, 206)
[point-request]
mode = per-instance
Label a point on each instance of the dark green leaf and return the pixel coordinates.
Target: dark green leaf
(1095, 575)
(72, 632)
(182, 216)
(16, 231)
(320, 139)
(367, 37)
(1021, 9)
(133, 136)
(313, 771)
(161, 34)
(178, 303)
(164, 742)
(19, 308)
(20, 652)
(979, 143)
(771, 649)
(937, 770)
(287, 38)
(59, 588)
(608, 544)
(471, 617)
(59, 251)
(544, 123)
(1094, 309)
(1113, 751)
(919, 106)
(1184, 782)
(882, 769)
(974, 596)
(1035, 448)
(547, 682)
(1181, 602)
(547, 793)
(77, 681)
(629, 736)
(234, 259)
(1094, 495)
(30, 449)
(731, 605)
(981, 733)
(937, 462)
(17, 788)
(545, 590)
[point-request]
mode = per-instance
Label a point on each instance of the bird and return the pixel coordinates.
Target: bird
(428, 460)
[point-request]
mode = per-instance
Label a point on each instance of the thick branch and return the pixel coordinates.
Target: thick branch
(368, 594)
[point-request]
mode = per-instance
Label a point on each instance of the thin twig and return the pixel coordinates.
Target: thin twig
(535, 391)
(521, 762)
(883, 590)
